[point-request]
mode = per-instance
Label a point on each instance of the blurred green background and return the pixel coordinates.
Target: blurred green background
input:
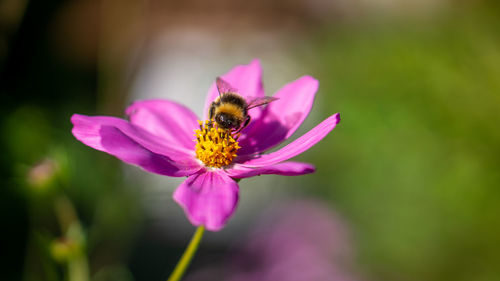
(413, 167)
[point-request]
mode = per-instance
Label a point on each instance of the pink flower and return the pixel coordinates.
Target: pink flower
(159, 139)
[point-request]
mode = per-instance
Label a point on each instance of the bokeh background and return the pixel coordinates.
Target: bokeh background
(407, 186)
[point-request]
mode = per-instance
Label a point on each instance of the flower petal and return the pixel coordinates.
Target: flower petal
(208, 198)
(296, 147)
(133, 145)
(282, 117)
(285, 169)
(247, 79)
(169, 120)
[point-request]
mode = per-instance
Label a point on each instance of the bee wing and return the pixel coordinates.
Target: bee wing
(260, 101)
(224, 87)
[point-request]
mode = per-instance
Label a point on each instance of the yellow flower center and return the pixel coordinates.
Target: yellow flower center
(215, 147)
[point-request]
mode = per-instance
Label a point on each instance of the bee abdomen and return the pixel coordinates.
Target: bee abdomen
(234, 99)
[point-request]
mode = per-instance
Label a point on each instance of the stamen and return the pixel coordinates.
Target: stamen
(215, 147)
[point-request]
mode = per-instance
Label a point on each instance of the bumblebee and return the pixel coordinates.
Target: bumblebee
(230, 110)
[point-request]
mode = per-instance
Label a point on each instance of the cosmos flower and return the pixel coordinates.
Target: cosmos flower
(159, 138)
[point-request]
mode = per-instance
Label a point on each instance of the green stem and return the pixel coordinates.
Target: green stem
(186, 258)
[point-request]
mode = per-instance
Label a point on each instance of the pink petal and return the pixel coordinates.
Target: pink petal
(247, 79)
(282, 117)
(133, 145)
(296, 147)
(208, 198)
(285, 169)
(166, 119)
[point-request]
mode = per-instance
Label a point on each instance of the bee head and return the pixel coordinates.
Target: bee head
(227, 121)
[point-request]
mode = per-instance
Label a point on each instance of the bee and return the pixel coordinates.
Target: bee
(230, 110)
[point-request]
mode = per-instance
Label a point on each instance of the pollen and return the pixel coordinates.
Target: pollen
(215, 147)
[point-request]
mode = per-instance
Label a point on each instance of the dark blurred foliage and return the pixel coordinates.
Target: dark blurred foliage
(34, 86)
(40, 91)
(413, 166)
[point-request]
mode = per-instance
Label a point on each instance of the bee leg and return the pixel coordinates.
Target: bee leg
(247, 121)
(211, 111)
